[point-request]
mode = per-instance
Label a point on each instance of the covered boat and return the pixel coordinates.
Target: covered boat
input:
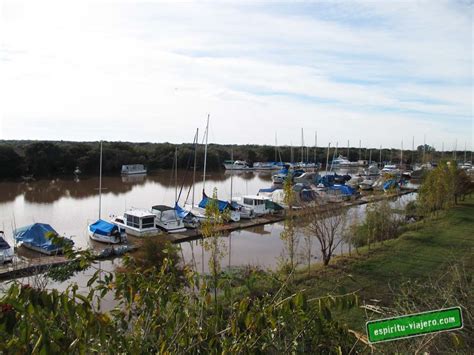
(189, 219)
(222, 206)
(105, 232)
(37, 237)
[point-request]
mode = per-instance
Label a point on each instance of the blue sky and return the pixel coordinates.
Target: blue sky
(380, 72)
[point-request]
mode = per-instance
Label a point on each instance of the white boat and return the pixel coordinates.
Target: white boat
(266, 166)
(168, 219)
(6, 251)
(306, 178)
(105, 232)
(466, 165)
(102, 231)
(137, 222)
(390, 169)
(237, 165)
(256, 203)
(133, 169)
(341, 161)
(200, 213)
(372, 170)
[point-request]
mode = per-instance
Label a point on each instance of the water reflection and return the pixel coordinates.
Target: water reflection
(70, 205)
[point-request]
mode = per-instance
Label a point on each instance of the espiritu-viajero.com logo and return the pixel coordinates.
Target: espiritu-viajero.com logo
(414, 324)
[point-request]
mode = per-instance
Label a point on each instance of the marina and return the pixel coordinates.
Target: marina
(29, 263)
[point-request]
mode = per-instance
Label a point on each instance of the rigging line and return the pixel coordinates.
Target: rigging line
(193, 153)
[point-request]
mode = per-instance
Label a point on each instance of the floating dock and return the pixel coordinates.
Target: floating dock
(29, 263)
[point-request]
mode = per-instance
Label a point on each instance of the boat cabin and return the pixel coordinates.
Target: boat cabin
(257, 203)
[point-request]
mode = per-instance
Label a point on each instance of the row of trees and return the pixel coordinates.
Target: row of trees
(48, 158)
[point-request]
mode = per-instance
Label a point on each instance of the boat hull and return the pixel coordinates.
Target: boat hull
(41, 250)
(137, 172)
(171, 227)
(104, 238)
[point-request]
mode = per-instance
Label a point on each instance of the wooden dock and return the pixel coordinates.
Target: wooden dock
(28, 263)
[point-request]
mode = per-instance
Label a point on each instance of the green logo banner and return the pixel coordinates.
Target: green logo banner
(414, 324)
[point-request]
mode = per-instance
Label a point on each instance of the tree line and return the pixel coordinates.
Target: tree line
(54, 158)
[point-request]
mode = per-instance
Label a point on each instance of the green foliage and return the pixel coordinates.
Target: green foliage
(288, 261)
(11, 162)
(157, 313)
(442, 187)
(380, 223)
(50, 158)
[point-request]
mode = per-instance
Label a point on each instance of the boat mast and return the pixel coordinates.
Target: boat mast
(302, 145)
(334, 155)
(276, 145)
(315, 146)
(196, 140)
(327, 157)
(380, 155)
(205, 156)
(401, 155)
(360, 152)
(231, 175)
(176, 174)
(348, 149)
(100, 179)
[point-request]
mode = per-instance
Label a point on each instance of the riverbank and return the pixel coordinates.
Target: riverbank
(426, 252)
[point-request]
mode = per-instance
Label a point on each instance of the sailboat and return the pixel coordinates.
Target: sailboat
(100, 230)
(200, 210)
(167, 217)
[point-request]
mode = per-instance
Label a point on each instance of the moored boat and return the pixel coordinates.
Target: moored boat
(38, 237)
(168, 219)
(137, 222)
(133, 169)
(237, 165)
(105, 232)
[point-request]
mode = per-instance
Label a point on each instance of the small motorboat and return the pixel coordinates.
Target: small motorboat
(38, 237)
(167, 219)
(137, 222)
(105, 232)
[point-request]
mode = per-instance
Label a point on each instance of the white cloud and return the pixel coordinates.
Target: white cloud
(152, 71)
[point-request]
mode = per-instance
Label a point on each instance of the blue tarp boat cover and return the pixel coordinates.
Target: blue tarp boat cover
(271, 189)
(181, 212)
(35, 234)
(346, 190)
(222, 205)
(103, 228)
(283, 171)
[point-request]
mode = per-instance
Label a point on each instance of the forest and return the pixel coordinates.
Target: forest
(58, 158)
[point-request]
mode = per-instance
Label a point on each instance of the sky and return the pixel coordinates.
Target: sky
(379, 72)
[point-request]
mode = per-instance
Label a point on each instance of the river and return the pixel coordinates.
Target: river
(69, 204)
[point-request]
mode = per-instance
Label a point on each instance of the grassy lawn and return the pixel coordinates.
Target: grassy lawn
(424, 251)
